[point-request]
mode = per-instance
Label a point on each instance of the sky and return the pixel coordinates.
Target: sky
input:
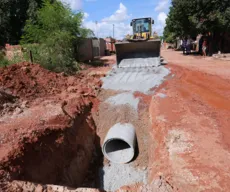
(119, 13)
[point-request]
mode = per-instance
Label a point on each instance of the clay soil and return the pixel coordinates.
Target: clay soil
(190, 127)
(47, 134)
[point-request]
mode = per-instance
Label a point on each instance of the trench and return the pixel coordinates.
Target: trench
(73, 156)
(66, 157)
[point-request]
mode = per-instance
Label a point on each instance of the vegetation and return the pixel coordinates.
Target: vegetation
(3, 61)
(192, 17)
(53, 34)
(13, 15)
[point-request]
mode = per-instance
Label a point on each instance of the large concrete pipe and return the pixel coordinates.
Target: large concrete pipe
(119, 144)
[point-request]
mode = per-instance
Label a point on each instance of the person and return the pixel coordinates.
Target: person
(184, 44)
(200, 45)
(204, 47)
(188, 48)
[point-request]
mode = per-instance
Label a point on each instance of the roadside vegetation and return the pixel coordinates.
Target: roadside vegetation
(53, 36)
(3, 61)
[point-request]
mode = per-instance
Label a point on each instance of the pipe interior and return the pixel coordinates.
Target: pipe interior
(118, 151)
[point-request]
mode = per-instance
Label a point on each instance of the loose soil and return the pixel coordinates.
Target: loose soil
(47, 133)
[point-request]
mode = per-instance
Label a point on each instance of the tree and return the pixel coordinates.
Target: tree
(191, 17)
(13, 15)
(55, 36)
(179, 21)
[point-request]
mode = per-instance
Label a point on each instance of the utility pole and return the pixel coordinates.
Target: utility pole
(96, 31)
(99, 48)
(113, 30)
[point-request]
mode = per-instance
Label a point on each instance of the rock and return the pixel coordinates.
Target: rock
(17, 111)
(24, 104)
(39, 188)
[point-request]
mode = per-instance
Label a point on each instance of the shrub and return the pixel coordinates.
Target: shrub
(54, 37)
(3, 61)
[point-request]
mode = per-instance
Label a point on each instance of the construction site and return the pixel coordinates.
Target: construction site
(145, 118)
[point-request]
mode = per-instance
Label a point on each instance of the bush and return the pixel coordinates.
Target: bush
(3, 61)
(54, 37)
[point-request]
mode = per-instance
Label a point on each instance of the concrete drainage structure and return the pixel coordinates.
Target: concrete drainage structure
(119, 144)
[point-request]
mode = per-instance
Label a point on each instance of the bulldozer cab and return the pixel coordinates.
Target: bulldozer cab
(141, 50)
(142, 28)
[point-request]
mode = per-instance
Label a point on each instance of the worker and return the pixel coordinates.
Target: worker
(184, 45)
(204, 47)
(188, 49)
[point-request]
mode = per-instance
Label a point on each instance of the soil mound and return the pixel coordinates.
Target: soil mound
(32, 81)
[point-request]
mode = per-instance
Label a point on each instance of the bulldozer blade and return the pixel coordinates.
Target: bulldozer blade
(138, 54)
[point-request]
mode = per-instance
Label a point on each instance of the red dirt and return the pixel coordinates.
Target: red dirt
(190, 132)
(43, 137)
(189, 147)
(32, 81)
(198, 63)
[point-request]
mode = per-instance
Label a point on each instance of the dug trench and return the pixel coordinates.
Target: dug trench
(56, 146)
(48, 139)
(60, 157)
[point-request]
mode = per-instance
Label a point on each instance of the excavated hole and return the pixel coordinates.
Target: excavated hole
(73, 157)
(69, 157)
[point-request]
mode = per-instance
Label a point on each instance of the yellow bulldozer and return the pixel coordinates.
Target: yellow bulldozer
(142, 46)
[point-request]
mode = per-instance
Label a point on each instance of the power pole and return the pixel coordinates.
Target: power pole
(96, 31)
(113, 30)
(99, 48)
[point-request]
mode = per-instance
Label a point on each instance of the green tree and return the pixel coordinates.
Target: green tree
(191, 17)
(55, 36)
(179, 21)
(13, 15)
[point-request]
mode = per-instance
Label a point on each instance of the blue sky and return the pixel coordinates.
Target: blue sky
(120, 13)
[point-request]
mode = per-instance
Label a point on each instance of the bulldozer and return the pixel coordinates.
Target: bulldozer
(140, 49)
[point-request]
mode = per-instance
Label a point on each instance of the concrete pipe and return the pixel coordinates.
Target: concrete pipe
(119, 144)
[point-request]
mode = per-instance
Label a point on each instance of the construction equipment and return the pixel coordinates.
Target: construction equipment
(142, 48)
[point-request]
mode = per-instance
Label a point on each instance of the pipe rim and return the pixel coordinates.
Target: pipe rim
(108, 157)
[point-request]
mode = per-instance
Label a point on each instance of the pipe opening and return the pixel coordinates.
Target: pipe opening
(118, 151)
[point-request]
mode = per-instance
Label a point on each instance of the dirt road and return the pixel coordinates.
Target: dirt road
(190, 126)
(198, 63)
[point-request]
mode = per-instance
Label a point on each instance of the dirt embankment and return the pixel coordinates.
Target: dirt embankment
(47, 134)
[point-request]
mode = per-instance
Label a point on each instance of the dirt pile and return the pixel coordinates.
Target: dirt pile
(47, 134)
(31, 81)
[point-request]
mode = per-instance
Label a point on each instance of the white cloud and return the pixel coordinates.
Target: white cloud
(162, 5)
(161, 22)
(119, 16)
(104, 28)
(74, 4)
(162, 18)
(86, 15)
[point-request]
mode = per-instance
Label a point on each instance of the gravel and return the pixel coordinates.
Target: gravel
(141, 62)
(135, 79)
(123, 99)
(161, 95)
(114, 176)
